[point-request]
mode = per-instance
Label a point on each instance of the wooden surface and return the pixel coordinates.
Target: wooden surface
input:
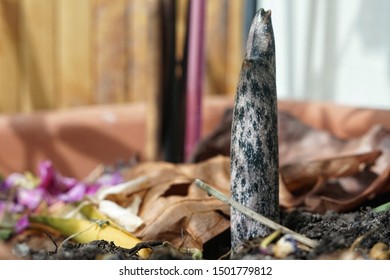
(37, 48)
(67, 53)
(10, 66)
(110, 21)
(73, 53)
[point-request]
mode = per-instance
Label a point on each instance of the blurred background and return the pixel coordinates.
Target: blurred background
(70, 54)
(333, 50)
(62, 53)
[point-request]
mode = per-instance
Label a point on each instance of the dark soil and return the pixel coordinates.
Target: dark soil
(355, 232)
(340, 231)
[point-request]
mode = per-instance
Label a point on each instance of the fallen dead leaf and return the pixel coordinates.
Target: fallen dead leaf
(321, 202)
(319, 171)
(302, 175)
(299, 142)
(376, 138)
(174, 209)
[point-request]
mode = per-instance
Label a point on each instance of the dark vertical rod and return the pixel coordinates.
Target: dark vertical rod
(170, 109)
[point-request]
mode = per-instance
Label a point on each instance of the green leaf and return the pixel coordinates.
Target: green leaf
(5, 233)
(383, 207)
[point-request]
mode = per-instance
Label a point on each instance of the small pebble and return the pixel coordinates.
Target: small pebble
(380, 251)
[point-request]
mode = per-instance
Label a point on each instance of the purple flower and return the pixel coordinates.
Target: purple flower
(3, 187)
(92, 189)
(30, 198)
(110, 179)
(2, 206)
(10, 206)
(57, 187)
(50, 186)
(17, 180)
(76, 193)
(22, 224)
(46, 174)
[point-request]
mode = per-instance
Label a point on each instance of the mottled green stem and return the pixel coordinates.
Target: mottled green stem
(254, 141)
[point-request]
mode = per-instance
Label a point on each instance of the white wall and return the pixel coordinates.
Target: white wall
(333, 50)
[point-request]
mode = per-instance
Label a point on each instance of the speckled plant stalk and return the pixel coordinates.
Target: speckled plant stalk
(254, 141)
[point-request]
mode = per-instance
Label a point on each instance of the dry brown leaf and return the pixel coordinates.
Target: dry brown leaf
(376, 138)
(187, 223)
(339, 182)
(302, 175)
(318, 170)
(299, 142)
(320, 202)
(321, 172)
(174, 209)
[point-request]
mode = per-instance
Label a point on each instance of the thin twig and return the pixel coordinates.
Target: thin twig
(252, 214)
(144, 245)
(54, 242)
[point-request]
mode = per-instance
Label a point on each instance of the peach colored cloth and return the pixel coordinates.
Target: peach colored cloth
(77, 140)
(342, 121)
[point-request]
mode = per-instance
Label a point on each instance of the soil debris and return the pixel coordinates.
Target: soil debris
(340, 235)
(362, 234)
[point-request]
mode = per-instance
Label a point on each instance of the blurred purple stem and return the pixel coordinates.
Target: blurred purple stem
(194, 87)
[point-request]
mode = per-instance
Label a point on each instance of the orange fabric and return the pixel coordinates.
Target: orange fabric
(342, 121)
(77, 140)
